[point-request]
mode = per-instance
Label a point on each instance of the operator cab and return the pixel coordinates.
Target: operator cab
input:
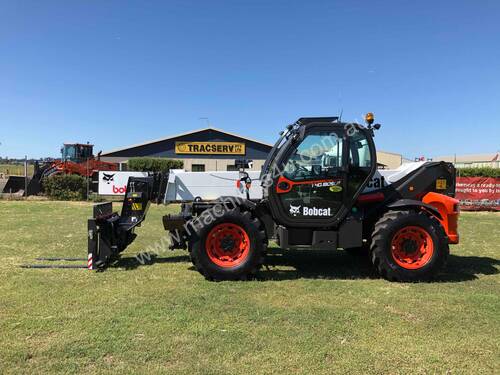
(77, 152)
(317, 170)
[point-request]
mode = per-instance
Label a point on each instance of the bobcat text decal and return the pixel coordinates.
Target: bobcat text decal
(310, 211)
(376, 183)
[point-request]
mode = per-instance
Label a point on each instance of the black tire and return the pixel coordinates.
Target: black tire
(382, 256)
(248, 266)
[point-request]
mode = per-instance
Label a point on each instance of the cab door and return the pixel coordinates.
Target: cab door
(314, 187)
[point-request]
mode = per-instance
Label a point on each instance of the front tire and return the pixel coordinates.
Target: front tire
(409, 246)
(230, 246)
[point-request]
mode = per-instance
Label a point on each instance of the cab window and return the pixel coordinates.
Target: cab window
(359, 151)
(317, 156)
(360, 162)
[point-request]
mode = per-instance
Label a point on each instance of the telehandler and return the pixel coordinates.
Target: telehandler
(320, 192)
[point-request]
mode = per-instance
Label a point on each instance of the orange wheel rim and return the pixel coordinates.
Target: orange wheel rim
(227, 245)
(412, 247)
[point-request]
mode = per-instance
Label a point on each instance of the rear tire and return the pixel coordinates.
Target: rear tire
(230, 246)
(409, 246)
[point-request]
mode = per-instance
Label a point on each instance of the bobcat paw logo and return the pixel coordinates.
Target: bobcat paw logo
(108, 177)
(294, 210)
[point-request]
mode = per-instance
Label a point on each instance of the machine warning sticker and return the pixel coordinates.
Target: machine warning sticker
(136, 206)
(441, 184)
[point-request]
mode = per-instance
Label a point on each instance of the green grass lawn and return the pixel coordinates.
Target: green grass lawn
(15, 169)
(309, 313)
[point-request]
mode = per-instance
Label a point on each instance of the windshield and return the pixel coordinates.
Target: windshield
(68, 152)
(76, 152)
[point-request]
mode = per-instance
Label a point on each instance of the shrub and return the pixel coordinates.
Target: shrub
(479, 172)
(153, 164)
(65, 187)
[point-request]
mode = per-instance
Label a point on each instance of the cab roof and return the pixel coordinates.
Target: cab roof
(308, 120)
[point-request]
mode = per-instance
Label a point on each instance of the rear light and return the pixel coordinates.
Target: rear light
(456, 207)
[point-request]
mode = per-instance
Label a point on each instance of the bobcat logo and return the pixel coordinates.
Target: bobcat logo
(294, 210)
(108, 178)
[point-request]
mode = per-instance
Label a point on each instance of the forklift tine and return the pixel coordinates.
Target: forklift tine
(52, 259)
(52, 266)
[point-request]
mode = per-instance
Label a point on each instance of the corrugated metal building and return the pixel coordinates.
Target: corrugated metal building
(206, 149)
(389, 160)
(472, 160)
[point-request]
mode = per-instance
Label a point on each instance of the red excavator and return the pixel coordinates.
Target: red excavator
(77, 159)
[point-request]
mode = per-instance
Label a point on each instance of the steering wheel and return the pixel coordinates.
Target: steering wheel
(300, 170)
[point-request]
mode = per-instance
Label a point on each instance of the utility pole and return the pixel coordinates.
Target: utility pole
(25, 175)
(88, 182)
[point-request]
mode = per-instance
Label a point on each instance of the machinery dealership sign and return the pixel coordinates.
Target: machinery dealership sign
(210, 148)
(478, 193)
(115, 183)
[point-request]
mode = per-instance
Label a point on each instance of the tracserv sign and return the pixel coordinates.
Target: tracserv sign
(210, 148)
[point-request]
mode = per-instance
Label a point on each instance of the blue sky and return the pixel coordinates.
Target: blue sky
(120, 72)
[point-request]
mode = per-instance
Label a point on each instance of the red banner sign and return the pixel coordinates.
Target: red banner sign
(478, 193)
